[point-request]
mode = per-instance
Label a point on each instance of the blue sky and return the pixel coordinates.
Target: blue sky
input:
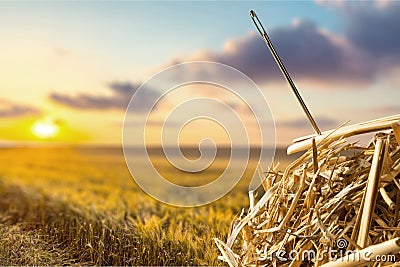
(122, 30)
(80, 62)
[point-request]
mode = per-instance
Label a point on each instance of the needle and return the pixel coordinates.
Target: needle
(265, 37)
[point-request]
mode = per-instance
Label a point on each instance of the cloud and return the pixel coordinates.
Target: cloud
(307, 51)
(11, 110)
(374, 28)
(122, 93)
(83, 101)
(324, 123)
(367, 49)
(125, 88)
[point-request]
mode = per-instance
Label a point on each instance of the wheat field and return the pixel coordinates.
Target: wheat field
(80, 206)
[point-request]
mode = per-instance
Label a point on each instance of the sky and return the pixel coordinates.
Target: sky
(69, 69)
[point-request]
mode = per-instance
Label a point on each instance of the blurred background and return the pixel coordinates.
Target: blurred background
(69, 69)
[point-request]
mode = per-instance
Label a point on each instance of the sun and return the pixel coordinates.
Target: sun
(45, 129)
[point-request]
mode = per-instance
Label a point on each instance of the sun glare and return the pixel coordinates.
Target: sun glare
(45, 129)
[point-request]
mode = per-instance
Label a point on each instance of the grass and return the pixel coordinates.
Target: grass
(71, 206)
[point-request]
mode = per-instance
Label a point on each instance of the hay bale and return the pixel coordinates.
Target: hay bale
(336, 198)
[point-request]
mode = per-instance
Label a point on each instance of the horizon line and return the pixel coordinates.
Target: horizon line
(35, 144)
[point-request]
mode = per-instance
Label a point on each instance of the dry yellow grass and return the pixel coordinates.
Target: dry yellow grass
(80, 206)
(336, 198)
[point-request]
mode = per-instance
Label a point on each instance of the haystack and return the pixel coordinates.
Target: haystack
(336, 205)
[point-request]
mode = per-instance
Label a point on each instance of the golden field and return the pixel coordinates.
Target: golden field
(80, 206)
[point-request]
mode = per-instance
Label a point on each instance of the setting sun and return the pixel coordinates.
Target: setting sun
(45, 129)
